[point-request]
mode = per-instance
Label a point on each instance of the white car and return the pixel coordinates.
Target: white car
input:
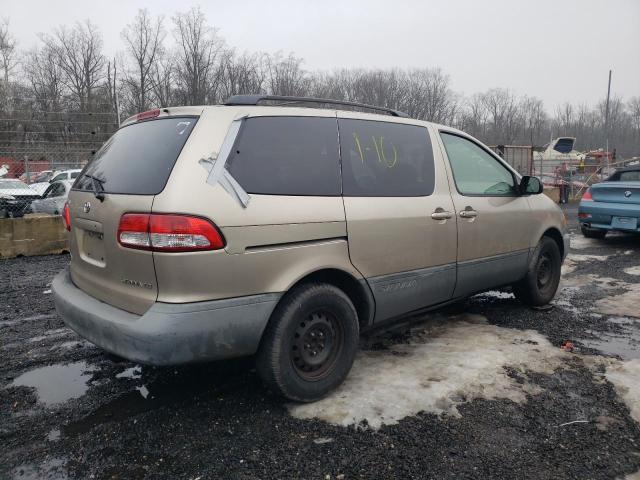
(53, 199)
(71, 174)
(15, 197)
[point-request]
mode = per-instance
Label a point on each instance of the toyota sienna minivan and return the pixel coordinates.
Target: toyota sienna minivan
(205, 233)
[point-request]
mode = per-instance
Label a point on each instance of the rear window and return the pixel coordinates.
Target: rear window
(287, 156)
(138, 158)
(384, 159)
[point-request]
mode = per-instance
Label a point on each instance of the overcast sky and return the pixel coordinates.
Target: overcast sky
(558, 50)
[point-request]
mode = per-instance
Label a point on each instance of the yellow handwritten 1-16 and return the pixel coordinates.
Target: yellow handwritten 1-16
(379, 146)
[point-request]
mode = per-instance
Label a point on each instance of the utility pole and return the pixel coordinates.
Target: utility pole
(606, 122)
(115, 91)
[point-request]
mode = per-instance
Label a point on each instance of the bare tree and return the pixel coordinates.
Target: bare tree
(143, 40)
(7, 51)
(285, 75)
(79, 53)
(198, 50)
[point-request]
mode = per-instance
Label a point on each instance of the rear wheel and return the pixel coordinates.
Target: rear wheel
(310, 343)
(593, 232)
(540, 284)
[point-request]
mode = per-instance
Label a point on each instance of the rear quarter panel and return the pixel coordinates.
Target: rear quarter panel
(271, 244)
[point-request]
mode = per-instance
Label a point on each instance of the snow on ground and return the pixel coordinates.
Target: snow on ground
(579, 241)
(632, 270)
(625, 376)
(625, 305)
(447, 362)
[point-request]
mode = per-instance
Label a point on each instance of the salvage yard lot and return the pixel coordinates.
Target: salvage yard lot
(480, 389)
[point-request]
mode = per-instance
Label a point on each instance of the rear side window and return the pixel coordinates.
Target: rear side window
(630, 176)
(287, 156)
(384, 159)
(138, 158)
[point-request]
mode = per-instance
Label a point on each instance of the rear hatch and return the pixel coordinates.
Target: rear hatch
(616, 192)
(124, 176)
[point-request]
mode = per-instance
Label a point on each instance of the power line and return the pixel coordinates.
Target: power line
(55, 121)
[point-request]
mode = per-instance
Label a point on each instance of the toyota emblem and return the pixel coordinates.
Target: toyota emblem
(87, 207)
(627, 193)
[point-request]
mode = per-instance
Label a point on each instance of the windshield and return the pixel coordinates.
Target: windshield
(138, 158)
(12, 185)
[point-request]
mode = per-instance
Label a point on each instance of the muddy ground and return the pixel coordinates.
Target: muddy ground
(478, 390)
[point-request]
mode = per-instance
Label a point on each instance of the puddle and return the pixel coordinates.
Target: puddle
(448, 362)
(56, 384)
(53, 468)
(624, 343)
(173, 386)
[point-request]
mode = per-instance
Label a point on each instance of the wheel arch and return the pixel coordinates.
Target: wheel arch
(357, 290)
(556, 236)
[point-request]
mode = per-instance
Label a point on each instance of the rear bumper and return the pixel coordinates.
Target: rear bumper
(167, 334)
(601, 215)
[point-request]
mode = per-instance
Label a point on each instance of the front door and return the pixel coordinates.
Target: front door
(400, 216)
(494, 221)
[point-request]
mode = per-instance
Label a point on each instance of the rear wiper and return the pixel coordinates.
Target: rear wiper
(96, 186)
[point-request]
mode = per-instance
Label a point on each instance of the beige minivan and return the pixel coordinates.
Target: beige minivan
(204, 233)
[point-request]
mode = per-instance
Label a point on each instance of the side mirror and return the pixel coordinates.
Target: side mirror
(530, 185)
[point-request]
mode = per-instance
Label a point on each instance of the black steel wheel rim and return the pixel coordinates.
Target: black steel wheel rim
(316, 343)
(545, 271)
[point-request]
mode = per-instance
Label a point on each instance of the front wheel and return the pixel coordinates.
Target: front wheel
(310, 343)
(540, 284)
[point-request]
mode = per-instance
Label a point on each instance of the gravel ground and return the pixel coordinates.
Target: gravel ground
(94, 416)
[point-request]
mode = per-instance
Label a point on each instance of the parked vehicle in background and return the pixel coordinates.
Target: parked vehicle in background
(284, 232)
(42, 176)
(66, 175)
(41, 187)
(15, 197)
(53, 199)
(612, 205)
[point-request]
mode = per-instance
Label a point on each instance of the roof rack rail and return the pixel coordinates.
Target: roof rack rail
(255, 99)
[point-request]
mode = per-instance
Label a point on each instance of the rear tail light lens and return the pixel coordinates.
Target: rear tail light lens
(587, 196)
(168, 233)
(66, 216)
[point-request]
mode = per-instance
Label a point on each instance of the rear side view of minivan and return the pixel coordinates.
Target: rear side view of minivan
(281, 231)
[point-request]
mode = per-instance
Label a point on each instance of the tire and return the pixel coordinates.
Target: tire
(593, 232)
(309, 345)
(540, 284)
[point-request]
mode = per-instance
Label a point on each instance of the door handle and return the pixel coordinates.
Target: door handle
(441, 214)
(468, 212)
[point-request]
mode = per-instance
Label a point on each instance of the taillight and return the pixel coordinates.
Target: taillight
(66, 216)
(168, 233)
(587, 196)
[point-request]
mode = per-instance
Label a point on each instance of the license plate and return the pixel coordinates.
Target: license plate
(624, 223)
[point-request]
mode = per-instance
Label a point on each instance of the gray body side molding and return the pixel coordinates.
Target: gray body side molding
(167, 334)
(489, 272)
(399, 293)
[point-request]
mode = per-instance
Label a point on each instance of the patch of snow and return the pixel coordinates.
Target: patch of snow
(497, 294)
(133, 372)
(579, 241)
(448, 362)
(632, 270)
(574, 257)
(625, 376)
(143, 391)
(624, 305)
